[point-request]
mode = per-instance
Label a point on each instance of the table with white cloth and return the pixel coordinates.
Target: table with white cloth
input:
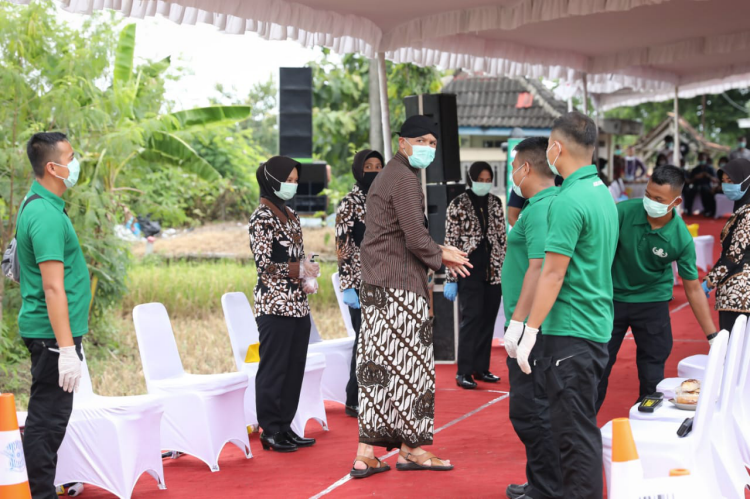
(635, 189)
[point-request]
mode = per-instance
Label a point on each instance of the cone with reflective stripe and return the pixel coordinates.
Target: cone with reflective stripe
(627, 472)
(14, 483)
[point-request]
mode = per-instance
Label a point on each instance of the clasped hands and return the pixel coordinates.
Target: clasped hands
(456, 261)
(520, 350)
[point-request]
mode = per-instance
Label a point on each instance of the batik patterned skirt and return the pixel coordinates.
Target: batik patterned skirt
(395, 369)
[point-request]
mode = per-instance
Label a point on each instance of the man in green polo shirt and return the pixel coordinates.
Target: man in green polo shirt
(574, 301)
(652, 236)
(528, 409)
(55, 293)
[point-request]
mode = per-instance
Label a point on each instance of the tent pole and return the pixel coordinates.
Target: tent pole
(385, 112)
(585, 95)
(676, 150)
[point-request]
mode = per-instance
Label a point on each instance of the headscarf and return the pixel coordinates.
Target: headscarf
(738, 170)
(358, 166)
(476, 169)
(271, 174)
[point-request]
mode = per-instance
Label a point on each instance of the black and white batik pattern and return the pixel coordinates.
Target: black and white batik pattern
(395, 369)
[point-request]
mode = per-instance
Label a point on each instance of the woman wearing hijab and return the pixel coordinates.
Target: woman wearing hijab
(731, 274)
(395, 362)
(350, 230)
(475, 224)
(285, 278)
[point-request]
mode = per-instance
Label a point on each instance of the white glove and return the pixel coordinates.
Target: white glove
(308, 269)
(525, 347)
(69, 367)
(512, 335)
(310, 286)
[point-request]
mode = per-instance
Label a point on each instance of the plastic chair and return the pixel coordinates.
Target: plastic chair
(724, 438)
(659, 447)
(704, 252)
(110, 441)
(203, 412)
(243, 332)
(343, 307)
(338, 354)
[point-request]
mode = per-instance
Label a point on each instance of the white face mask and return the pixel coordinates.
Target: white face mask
(552, 165)
(517, 187)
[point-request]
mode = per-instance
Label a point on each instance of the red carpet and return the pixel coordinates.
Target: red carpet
(473, 432)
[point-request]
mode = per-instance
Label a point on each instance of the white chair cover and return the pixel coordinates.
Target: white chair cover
(202, 412)
(659, 447)
(741, 414)
(110, 441)
(724, 206)
(704, 252)
(243, 331)
(343, 307)
(724, 439)
(338, 355)
(692, 367)
(500, 323)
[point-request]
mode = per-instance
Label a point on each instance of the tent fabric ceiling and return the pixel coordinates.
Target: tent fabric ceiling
(644, 45)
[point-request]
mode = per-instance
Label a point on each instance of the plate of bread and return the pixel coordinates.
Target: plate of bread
(686, 395)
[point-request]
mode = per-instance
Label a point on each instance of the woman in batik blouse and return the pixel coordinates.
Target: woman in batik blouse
(475, 224)
(350, 230)
(731, 274)
(285, 278)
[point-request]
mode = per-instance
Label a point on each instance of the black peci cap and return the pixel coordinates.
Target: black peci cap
(417, 126)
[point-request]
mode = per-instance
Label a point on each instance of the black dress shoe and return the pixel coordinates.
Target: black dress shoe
(352, 410)
(277, 441)
(487, 377)
(515, 491)
(299, 441)
(465, 381)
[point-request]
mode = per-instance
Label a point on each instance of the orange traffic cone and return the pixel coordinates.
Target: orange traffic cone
(14, 482)
(627, 472)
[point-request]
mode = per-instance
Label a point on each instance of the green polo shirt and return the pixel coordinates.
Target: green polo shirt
(583, 226)
(642, 270)
(525, 241)
(44, 234)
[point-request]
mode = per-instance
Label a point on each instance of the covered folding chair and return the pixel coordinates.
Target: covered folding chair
(243, 332)
(741, 414)
(704, 252)
(499, 331)
(110, 441)
(203, 412)
(343, 307)
(725, 440)
(338, 354)
(724, 206)
(661, 449)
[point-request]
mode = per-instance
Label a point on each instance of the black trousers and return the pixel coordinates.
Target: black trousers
(573, 368)
(479, 302)
(707, 198)
(283, 354)
(49, 411)
(726, 319)
(652, 332)
(352, 388)
(529, 414)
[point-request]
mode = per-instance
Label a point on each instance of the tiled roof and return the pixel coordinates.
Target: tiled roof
(491, 102)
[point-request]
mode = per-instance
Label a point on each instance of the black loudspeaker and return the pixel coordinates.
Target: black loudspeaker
(444, 328)
(295, 112)
(439, 196)
(442, 108)
(313, 178)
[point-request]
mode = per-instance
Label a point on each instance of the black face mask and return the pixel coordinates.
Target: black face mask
(368, 178)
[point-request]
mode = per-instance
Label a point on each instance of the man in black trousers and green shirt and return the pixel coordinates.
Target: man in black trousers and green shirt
(574, 302)
(652, 236)
(55, 293)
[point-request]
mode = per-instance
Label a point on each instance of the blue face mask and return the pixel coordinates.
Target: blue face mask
(734, 191)
(286, 191)
(517, 188)
(552, 165)
(481, 189)
(421, 156)
(74, 170)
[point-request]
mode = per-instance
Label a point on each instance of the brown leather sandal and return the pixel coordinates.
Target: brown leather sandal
(417, 463)
(374, 466)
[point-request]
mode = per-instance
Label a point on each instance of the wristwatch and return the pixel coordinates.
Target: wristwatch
(712, 336)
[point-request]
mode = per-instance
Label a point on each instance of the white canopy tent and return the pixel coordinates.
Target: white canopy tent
(643, 49)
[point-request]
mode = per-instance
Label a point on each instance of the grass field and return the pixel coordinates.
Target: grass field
(191, 292)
